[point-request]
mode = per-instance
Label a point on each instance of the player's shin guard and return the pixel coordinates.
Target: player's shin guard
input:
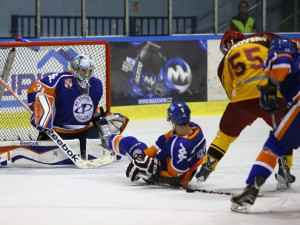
(263, 166)
(218, 148)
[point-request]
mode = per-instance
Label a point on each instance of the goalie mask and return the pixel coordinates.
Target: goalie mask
(82, 68)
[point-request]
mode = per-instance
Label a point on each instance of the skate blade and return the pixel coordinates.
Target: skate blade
(244, 208)
(282, 183)
(198, 183)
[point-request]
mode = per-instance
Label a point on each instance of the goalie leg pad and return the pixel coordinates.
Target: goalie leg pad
(43, 110)
(35, 154)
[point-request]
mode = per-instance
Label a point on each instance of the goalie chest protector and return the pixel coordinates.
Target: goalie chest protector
(74, 107)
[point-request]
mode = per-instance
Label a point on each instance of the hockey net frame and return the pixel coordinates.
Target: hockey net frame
(14, 120)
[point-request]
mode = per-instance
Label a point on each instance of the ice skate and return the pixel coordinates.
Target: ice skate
(242, 202)
(205, 170)
(284, 176)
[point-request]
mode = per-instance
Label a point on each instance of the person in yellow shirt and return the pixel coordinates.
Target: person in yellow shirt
(243, 22)
(241, 72)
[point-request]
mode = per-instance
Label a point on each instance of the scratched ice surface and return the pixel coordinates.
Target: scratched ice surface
(105, 196)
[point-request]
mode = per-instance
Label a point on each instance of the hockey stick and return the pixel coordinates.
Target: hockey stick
(80, 163)
(7, 68)
(192, 190)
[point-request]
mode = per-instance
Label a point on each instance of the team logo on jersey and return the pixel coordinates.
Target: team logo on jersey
(68, 82)
(182, 154)
(52, 77)
(83, 108)
(239, 84)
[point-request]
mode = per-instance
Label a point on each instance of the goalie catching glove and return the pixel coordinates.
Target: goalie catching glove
(142, 164)
(108, 123)
(115, 121)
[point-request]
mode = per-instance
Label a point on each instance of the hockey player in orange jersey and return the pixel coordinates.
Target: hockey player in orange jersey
(174, 157)
(241, 72)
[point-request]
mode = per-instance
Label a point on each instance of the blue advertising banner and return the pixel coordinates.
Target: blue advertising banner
(158, 72)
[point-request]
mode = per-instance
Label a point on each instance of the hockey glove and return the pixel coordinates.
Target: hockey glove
(268, 98)
(116, 121)
(143, 165)
(132, 172)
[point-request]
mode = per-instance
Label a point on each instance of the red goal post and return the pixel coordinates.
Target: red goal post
(34, 60)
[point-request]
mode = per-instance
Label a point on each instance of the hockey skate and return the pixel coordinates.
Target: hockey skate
(205, 170)
(284, 176)
(242, 202)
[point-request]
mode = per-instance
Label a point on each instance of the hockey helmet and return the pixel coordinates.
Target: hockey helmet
(179, 113)
(232, 37)
(82, 68)
(281, 45)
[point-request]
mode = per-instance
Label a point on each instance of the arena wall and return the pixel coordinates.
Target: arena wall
(212, 102)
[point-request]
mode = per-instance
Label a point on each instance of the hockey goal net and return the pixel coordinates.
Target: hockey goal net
(23, 63)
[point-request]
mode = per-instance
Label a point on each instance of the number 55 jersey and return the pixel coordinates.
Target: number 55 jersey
(241, 69)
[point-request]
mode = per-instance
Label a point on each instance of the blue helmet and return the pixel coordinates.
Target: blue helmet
(179, 113)
(281, 45)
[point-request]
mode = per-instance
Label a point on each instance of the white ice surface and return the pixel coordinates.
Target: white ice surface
(72, 196)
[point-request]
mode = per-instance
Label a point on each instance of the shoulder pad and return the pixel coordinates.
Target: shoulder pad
(52, 79)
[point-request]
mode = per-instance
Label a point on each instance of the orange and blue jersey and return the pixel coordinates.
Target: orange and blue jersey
(73, 107)
(284, 69)
(178, 155)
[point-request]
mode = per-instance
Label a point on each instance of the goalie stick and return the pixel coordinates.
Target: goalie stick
(80, 163)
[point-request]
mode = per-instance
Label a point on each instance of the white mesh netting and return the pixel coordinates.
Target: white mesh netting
(34, 63)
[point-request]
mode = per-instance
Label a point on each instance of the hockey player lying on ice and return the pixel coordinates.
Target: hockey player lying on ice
(174, 157)
(72, 99)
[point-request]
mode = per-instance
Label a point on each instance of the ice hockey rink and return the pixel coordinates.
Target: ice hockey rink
(72, 196)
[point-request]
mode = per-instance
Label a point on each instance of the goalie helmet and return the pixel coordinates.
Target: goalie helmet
(82, 68)
(281, 45)
(179, 113)
(232, 37)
